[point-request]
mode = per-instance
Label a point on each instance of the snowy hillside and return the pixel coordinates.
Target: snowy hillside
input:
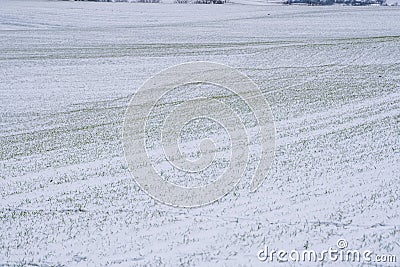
(69, 69)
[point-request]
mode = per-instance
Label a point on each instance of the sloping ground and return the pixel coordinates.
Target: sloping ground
(69, 69)
(257, 2)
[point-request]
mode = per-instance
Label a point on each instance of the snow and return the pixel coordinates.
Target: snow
(68, 70)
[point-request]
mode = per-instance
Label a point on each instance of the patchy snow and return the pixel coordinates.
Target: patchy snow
(69, 69)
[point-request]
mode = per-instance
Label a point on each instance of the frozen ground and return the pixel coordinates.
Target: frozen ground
(68, 70)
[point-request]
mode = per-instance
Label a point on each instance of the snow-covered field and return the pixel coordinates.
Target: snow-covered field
(68, 70)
